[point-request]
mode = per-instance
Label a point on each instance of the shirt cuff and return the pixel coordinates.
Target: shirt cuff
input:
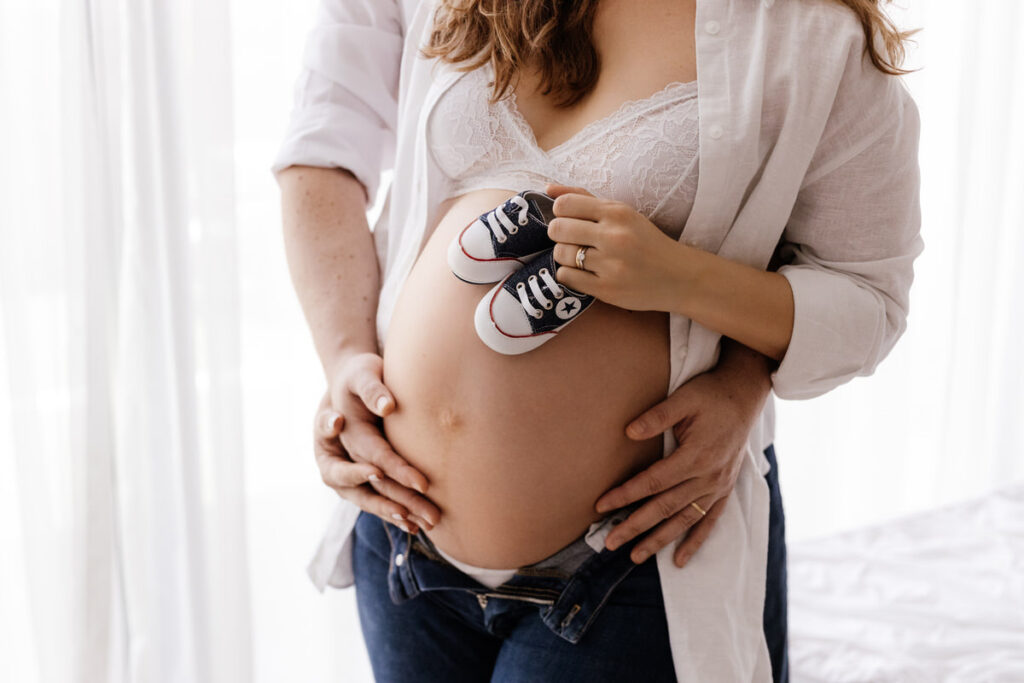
(322, 136)
(838, 332)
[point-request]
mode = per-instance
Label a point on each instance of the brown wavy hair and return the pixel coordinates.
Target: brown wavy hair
(554, 37)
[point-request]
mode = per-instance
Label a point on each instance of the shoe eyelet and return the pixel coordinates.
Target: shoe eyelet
(548, 305)
(502, 240)
(539, 315)
(513, 231)
(524, 220)
(532, 277)
(520, 285)
(543, 270)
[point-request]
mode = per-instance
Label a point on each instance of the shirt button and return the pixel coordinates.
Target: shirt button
(712, 27)
(715, 131)
(399, 559)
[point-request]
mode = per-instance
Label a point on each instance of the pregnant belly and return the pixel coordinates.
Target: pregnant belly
(517, 448)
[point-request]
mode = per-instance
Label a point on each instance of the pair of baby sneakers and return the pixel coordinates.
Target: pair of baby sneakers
(510, 245)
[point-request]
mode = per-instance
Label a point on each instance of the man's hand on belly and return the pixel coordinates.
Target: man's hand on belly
(711, 416)
(354, 457)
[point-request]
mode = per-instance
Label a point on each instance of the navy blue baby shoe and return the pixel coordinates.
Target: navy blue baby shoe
(528, 307)
(502, 240)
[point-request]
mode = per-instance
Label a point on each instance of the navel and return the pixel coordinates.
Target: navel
(449, 419)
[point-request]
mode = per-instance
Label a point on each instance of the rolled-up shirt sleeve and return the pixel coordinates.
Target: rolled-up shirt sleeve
(851, 240)
(346, 96)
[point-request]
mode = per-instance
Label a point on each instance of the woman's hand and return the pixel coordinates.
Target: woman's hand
(711, 416)
(361, 465)
(632, 264)
(629, 263)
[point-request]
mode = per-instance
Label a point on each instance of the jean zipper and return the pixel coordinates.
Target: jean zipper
(482, 599)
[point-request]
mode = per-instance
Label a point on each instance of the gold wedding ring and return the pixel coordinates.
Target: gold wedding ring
(699, 508)
(581, 254)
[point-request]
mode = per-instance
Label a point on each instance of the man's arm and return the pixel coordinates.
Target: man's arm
(333, 266)
(331, 259)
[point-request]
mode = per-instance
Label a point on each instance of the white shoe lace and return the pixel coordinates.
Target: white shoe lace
(553, 287)
(498, 218)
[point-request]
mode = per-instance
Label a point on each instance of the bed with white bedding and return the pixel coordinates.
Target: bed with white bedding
(936, 596)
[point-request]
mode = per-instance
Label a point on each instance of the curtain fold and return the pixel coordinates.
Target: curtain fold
(120, 315)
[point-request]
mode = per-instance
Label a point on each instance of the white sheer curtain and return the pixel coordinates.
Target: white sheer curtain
(124, 554)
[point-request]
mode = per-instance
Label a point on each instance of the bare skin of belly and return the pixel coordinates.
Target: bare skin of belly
(517, 448)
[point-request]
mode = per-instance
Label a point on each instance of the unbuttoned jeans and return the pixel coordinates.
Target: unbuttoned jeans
(424, 620)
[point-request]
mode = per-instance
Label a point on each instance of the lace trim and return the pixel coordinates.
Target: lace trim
(625, 111)
(645, 153)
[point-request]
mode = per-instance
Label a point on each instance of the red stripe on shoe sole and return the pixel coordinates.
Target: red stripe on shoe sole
(490, 311)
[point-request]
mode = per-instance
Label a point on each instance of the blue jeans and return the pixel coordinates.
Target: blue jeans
(424, 620)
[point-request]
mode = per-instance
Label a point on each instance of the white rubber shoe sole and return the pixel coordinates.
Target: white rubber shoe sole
(520, 339)
(478, 270)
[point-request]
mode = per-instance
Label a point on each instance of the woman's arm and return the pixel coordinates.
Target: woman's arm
(754, 307)
(631, 263)
(840, 302)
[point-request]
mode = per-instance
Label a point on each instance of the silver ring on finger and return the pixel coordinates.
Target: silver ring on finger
(581, 254)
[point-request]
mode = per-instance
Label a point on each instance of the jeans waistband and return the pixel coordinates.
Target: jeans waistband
(569, 587)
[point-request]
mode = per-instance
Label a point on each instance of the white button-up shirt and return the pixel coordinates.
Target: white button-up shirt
(804, 144)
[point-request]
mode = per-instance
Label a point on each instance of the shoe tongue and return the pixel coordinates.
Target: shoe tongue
(535, 209)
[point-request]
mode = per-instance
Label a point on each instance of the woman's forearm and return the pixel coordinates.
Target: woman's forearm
(752, 306)
(331, 258)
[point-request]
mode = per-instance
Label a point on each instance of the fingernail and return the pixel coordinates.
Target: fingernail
(422, 521)
(382, 403)
(603, 506)
(640, 556)
(682, 561)
(395, 515)
(404, 527)
(610, 544)
(638, 428)
(373, 477)
(416, 485)
(329, 420)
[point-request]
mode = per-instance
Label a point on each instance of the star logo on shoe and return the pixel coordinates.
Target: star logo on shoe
(567, 307)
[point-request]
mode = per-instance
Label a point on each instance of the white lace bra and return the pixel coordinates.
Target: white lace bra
(643, 154)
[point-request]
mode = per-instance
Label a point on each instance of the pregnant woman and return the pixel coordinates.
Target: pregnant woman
(743, 178)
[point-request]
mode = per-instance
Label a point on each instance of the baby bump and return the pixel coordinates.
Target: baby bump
(517, 447)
